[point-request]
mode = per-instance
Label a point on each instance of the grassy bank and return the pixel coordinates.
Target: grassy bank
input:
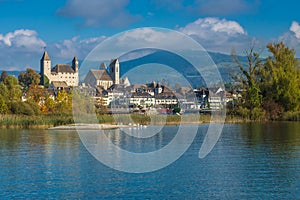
(47, 121)
(40, 121)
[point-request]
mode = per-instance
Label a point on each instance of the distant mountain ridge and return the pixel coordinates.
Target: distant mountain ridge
(225, 65)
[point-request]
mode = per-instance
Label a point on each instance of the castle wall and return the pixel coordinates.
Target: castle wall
(70, 78)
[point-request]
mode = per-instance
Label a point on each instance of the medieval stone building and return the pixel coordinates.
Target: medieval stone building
(60, 72)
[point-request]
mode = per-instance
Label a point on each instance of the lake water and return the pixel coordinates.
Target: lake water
(259, 161)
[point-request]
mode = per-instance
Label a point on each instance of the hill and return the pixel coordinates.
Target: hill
(225, 65)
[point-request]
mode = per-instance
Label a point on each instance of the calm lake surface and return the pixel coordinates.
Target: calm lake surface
(260, 161)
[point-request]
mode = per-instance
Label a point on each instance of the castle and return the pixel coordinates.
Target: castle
(59, 73)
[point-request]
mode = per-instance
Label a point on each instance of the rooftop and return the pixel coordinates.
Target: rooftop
(45, 56)
(63, 68)
(101, 75)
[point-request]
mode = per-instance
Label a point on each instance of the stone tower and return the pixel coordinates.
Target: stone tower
(45, 67)
(114, 70)
(75, 64)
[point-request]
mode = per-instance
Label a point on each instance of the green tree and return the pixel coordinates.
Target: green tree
(3, 105)
(48, 106)
(14, 89)
(63, 102)
(280, 79)
(3, 77)
(46, 82)
(249, 80)
(4, 92)
(29, 77)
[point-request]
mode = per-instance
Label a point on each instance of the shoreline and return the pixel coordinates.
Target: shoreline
(118, 126)
(66, 122)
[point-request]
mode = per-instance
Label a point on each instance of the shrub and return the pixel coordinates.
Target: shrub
(24, 108)
(257, 114)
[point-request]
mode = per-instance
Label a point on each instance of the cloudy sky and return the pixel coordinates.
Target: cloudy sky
(75, 27)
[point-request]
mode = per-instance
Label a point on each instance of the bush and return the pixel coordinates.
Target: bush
(243, 112)
(274, 110)
(291, 116)
(257, 114)
(24, 108)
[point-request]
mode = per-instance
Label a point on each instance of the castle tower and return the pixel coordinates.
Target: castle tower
(45, 67)
(75, 64)
(114, 70)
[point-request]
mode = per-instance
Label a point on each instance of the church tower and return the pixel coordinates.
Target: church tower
(45, 67)
(114, 70)
(75, 64)
(103, 66)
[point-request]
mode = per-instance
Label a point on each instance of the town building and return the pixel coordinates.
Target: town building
(59, 73)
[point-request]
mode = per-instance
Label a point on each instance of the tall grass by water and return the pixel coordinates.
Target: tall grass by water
(39, 121)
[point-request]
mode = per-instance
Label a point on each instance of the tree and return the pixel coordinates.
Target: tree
(3, 77)
(3, 106)
(14, 89)
(280, 78)
(63, 102)
(48, 106)
(36, 93)
(249, 79)
(4, 98)
(46, 82)
(4, 92)
(29, 77)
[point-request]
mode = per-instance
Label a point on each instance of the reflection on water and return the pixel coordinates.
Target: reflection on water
(249, 161)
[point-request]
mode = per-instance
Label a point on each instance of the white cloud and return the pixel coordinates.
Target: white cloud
(23, 48)
(22, 38)
(291, 38)
(18, 48)
(110, 13)
(295, 28)
(203, 26)
(67, 49)
(144, 38)
(219, 35)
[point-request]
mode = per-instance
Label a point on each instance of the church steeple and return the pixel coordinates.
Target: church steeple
(114, 69)
(103, 66)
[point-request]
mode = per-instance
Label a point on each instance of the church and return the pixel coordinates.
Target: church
(102, 78)
(62, 73)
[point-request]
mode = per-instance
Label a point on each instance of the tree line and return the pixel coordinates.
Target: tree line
(271, 86)
(24, 95)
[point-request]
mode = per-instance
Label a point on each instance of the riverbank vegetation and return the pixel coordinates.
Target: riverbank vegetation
(271, 87)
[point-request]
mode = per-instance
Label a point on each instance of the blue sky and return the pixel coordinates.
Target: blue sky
(75, 27)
